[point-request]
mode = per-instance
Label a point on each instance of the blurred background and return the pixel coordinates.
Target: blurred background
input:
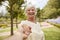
(48, 14)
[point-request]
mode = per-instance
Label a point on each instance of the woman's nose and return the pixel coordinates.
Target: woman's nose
(31, 11)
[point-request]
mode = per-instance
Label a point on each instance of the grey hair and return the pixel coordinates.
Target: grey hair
(28, 6)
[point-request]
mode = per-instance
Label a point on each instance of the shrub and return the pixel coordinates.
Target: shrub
(55, 24)
(3, 25)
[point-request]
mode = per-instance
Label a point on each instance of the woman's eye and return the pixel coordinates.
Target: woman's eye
(32, 9)
(28, 10)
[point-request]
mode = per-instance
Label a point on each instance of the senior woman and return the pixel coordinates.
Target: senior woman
(30, 29)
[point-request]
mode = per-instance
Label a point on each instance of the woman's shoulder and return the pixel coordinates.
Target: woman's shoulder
(23, 22)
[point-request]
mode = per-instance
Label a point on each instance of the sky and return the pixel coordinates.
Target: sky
(38, 3)
(3, 8)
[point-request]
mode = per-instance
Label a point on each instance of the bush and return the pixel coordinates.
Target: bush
(55, 24)
(3, 25)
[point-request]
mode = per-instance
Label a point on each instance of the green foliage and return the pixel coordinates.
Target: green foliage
(3, 25)
(1, 1)
(52, 9)
(38, 12)
(16, 7)
(53, 4)
(38, 15)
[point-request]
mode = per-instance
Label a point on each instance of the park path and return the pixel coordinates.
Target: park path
(6, 33)
(46, 25)
(16, 36)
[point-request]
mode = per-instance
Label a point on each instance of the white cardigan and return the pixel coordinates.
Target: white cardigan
(37, 33)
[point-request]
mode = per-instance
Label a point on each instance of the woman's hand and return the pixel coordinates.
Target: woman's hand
(26, 31)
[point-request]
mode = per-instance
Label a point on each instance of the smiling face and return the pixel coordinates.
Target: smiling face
(31, 11)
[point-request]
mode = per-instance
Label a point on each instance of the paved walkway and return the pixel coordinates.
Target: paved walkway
(6, 33)
(16, 36)
(46, 25)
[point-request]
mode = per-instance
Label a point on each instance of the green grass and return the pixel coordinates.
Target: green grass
(52, 33)
(3, 37)
(7, 29)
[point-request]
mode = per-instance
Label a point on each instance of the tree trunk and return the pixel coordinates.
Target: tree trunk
(11, 20)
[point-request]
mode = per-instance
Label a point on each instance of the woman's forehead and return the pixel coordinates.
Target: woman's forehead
(30, 8)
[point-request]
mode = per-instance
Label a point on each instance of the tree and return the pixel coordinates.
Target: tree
(1, 1)
(38, 14)
(11, 3)
(51, 9)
